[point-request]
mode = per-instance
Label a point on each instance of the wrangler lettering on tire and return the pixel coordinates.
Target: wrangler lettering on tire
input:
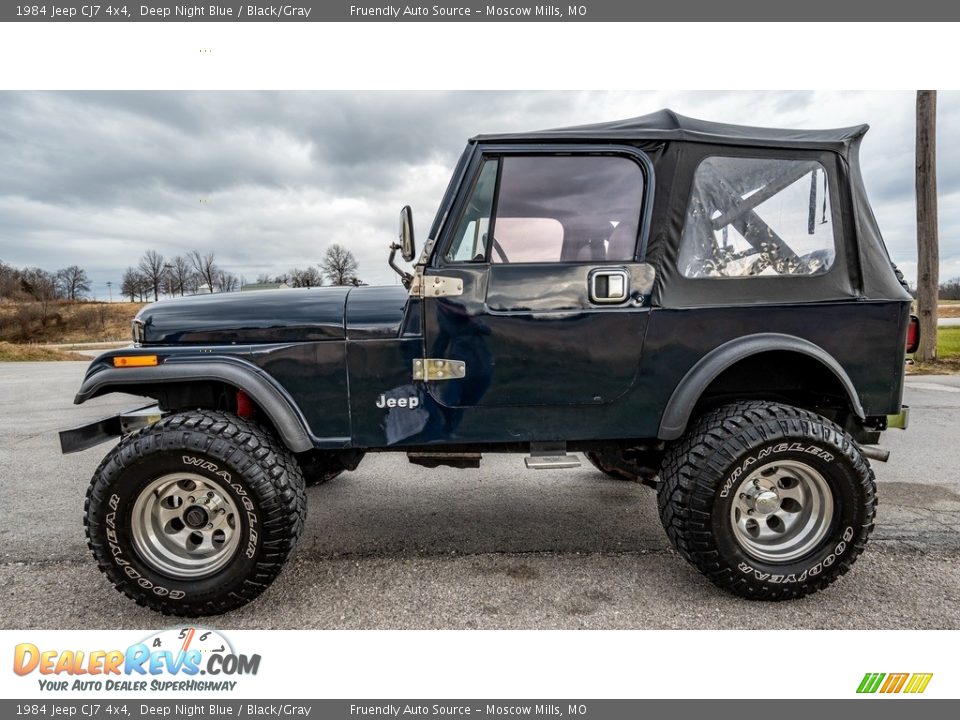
(767, 500)
(195, 514)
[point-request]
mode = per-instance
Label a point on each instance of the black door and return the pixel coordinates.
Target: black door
(553, 308)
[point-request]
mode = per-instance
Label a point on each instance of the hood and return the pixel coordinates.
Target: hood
(273, 316)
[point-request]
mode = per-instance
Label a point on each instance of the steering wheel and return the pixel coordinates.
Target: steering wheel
(499, 250)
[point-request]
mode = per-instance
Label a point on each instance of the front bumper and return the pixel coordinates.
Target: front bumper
(91, 434)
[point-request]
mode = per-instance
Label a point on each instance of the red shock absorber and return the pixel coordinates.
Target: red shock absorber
(245, 406)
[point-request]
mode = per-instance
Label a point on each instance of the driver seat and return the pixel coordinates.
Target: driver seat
(622, 244)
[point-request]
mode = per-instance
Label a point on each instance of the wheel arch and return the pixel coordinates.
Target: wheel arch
(278, 407)
(738, 353)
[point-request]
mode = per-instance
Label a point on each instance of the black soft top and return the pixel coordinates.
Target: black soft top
(676, 145)
(666, 125)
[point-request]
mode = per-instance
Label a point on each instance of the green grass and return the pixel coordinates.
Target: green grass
(948, 354)
(948, 343)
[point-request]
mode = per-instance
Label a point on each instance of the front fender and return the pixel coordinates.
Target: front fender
(272, 399)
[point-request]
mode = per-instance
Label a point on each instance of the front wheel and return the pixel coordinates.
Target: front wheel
(195, 514)
(768, 501)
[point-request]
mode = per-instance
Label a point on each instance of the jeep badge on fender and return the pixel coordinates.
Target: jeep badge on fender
(704, 308)
(403, 402)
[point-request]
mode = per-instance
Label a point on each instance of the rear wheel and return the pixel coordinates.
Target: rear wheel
(195, 514)
(768, 501)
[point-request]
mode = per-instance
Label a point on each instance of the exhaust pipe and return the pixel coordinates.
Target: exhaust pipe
(875, 453)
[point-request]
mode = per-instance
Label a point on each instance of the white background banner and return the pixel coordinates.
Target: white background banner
(511, 664)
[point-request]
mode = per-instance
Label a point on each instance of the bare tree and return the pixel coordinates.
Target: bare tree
(928, 250)
(38, 284)
(205, 267)
(178, 273)
(73, 282)
(9, 280)
(305, 277)
(132, 283)
(339, 265)
(950, 290)
(151, 267)
(42, 287)
(226, 281)
(263, 278)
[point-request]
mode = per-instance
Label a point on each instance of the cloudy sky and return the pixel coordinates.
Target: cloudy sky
(268, 180)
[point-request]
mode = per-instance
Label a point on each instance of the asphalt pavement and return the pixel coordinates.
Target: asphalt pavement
(393, 545)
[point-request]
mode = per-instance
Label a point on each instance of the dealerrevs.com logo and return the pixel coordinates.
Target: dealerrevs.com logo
(892, 683)
(172, 660)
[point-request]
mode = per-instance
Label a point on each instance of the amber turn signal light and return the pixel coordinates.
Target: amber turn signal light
(126, 361)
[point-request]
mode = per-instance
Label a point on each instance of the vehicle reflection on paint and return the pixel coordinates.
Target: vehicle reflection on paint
(460, 337)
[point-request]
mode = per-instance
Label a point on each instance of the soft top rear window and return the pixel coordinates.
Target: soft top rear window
(758, 217)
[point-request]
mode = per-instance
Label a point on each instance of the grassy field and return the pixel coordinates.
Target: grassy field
(948, 354)
(10, 352)
(65, 322)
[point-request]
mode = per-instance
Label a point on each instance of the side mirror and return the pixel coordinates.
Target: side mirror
(407, 246)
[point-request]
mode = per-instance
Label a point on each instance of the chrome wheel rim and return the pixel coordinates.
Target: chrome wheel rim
(185, 525)
(781, 511)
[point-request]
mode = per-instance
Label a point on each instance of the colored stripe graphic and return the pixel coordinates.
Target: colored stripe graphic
(870, 682)
(894, 683)
(918, 682)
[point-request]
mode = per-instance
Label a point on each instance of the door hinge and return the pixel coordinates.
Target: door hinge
(436, 286)
(437, 369)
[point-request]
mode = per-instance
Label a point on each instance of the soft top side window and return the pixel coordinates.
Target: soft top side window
(472, 232)
(753, 217)
(552, 208)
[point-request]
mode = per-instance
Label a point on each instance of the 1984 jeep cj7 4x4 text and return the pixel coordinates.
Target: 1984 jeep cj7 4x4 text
(705, 308)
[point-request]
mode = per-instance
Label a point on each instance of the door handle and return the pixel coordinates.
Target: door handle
(609, 286)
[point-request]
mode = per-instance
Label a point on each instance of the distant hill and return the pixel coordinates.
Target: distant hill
(61, 321)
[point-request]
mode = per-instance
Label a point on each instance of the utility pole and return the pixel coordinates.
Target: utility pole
(928, 243)
(110, 289)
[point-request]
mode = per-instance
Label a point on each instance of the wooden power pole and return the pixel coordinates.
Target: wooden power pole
(928, 244)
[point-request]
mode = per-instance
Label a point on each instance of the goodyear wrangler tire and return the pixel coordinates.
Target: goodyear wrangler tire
(195, 514)
(769, 501)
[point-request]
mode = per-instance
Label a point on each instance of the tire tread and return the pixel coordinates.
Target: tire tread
(685, 497)
(269, 471)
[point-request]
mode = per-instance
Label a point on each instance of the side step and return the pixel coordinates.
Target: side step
(550, 456)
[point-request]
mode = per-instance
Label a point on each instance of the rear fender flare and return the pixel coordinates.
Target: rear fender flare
(272, 399)
(685, 396)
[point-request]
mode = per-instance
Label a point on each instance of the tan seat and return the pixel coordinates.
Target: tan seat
(622, 245)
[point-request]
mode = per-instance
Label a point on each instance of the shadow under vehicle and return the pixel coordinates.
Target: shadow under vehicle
(705, 308)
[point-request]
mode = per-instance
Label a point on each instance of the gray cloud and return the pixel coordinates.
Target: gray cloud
(267, 180)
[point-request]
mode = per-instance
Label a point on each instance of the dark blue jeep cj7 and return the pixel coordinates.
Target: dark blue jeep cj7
(708, 309)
